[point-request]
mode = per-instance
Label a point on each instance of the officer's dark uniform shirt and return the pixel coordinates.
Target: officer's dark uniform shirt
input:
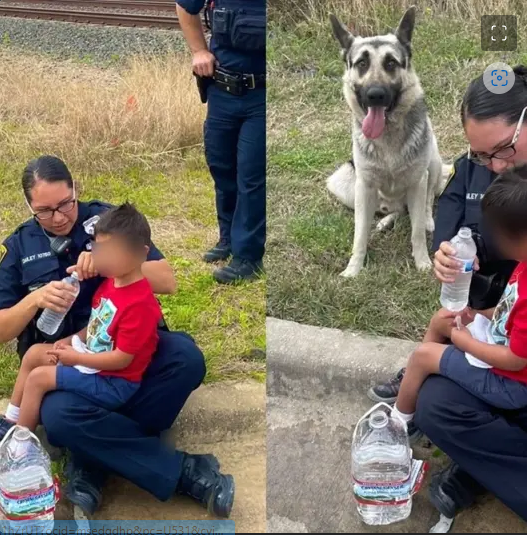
(460, 206)
(238, 43)
(29, 263)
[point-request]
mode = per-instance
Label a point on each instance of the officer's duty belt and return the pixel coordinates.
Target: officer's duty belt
(237, 83)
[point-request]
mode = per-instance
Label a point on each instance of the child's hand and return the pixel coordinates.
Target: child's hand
(467, 316)
(53, 359)
(461, 337)
(66, 355)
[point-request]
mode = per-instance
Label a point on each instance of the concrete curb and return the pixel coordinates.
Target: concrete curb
(217, 412)
(313, 362)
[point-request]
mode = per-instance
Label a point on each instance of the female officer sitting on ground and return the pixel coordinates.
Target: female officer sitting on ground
(33, 261)
(457, 422)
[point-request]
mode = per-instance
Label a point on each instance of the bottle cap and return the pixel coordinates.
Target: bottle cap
(378, 420)
(465, 232)
(75, 275)
(22, 433)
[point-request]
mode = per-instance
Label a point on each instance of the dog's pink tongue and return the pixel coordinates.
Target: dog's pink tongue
(373, 124)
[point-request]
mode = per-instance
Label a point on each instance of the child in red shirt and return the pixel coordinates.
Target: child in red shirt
(106, 361)
(493, 366)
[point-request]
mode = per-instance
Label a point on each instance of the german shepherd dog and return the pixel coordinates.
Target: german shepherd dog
(396, 163)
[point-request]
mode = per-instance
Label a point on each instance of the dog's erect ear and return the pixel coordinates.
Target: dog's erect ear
(406, 26)
(341, 33)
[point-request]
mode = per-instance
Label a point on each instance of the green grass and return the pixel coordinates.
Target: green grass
(310, 233)
(228, 323)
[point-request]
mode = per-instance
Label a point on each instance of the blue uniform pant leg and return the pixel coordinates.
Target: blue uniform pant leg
(127, 442)
(489, 444)
(249, 229)
(221, 131)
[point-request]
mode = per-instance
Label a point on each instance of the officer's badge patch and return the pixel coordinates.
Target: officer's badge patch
(3, 252)
(89, 226)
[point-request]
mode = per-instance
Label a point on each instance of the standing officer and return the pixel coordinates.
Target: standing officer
(231, 76)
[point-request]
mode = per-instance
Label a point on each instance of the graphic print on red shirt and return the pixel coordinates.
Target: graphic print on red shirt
(126, 319)
(509, 322)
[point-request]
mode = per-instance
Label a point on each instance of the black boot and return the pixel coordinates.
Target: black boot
(389, 391)
(201, 479)
(453, 490)
(85, 484)
(238, 270)
(221, 251)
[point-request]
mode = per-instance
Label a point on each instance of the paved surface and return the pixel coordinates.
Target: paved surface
(226, 419)
(317, 380)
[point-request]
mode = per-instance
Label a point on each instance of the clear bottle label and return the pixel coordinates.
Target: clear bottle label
(396, 493)
(467, 267)
(370, 493)
(26, 506)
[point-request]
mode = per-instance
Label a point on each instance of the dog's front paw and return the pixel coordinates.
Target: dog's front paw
(430, 225)
(423, 264)
(351, 271)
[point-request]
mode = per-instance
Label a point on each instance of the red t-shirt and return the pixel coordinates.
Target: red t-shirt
(509, 322)
(126, 319)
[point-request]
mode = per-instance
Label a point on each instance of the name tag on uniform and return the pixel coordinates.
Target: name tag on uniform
(89, 225)
(475, 196)
(38, 256)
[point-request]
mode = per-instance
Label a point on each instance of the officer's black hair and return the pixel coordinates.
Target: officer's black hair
(481, 104)
(126, 222)
(47, 168)
(505, 201)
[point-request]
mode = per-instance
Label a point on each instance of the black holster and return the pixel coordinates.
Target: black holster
(488, 284)
(203, 83)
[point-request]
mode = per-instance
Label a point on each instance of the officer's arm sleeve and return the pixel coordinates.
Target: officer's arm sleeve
(154, 253)
(450, 209)
(193, 7)
(11, 290)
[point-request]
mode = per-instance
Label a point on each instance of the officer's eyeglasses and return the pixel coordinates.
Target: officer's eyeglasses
(62, 208)
(509, 151)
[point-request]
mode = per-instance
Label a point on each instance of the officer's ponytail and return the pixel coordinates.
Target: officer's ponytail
(481, 104)
(47, 168)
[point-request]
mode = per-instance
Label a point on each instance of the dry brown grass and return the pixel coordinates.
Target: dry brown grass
(366, 15)
(148, 110)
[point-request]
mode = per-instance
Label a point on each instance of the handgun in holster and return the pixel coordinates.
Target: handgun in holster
(203, 86)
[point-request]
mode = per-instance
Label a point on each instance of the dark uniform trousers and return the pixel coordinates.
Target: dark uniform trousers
(488, 444)
(126, 442)
(235, 151)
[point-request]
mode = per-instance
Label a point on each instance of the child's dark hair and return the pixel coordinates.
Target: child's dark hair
(126, 222)
(504, 204)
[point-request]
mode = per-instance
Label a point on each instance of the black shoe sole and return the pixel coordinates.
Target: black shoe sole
(221, 504)
(378, 399)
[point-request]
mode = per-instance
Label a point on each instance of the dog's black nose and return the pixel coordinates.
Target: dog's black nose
(377, 96)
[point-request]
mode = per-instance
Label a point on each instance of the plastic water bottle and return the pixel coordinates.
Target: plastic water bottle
(382, 467)
(454, 295)
(50, 321)
(28, 493)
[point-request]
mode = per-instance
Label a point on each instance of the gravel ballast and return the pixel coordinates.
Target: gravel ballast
(93, 42)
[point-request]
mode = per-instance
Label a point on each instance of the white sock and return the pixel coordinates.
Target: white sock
(12, 413)
(404, 417)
